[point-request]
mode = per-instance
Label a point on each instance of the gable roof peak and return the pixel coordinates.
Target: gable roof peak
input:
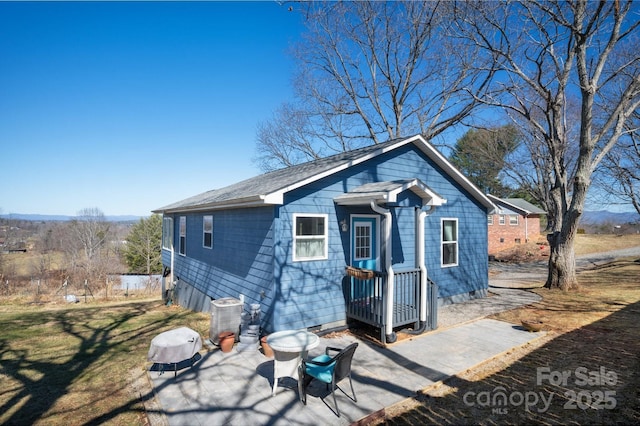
(269, 188)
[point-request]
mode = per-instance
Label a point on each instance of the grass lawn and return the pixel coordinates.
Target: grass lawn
(77, 364)
(586, 370)
(596, 243)
(83, 363)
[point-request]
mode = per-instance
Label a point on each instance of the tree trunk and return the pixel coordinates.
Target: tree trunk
(562, 261)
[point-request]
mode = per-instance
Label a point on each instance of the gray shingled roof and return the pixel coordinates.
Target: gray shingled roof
(520, 204)
(388, 191)
(268, 188)
(525, 205)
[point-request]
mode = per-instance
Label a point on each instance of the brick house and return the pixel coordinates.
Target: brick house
(515, 221)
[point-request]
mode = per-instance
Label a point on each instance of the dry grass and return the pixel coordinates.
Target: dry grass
(585, 244)
(595, 243)
(73, 364)
(27, 264)
(595, 329)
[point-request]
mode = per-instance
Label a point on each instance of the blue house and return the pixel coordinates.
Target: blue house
(382, 234)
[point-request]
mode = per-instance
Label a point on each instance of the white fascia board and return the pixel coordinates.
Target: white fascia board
(275, 198)
(441, 161)
(363, 199)
(497, 201)
(257, 201)
(279, 194)
(436, 202)
(429, 198)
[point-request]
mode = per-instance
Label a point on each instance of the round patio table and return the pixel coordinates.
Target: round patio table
(289, 347)
(174, 346)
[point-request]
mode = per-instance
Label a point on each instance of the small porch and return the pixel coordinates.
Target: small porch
(374, 292)
(365, 302)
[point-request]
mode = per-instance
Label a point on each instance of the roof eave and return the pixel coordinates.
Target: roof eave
(429, 197)
(254, 201)
(277, 197)
(461, 179)
(360, 200)
(279, 194)
(522, 211)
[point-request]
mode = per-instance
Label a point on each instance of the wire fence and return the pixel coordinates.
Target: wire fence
(68, 291)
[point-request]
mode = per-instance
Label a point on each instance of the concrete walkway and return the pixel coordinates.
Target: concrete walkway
(235, 388)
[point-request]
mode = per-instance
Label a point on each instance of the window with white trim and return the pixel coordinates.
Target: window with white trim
(310, 237)
(363, 240)
(167, 233)
(490, 219)
(182, 245)
(501, 220)
(449, 240)
(207, 231)
(513, 219)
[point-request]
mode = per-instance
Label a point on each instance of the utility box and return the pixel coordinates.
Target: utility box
(225, 316)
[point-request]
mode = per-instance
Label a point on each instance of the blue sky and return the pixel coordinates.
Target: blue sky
(129, 106)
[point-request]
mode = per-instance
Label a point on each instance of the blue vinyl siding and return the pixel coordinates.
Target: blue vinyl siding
(471, 274)
(241, 260)
(253, 248)
(310, 293)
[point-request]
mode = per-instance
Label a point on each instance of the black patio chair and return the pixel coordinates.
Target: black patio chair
(327, 369)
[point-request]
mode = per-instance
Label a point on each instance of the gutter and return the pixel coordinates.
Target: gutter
(390, 336)
(253, 201)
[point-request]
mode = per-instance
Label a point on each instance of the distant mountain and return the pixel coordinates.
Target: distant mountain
(62, 218)
(603, 216)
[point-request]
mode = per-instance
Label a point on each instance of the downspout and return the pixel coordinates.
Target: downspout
(172, 265)
(170, 277)
(389, 334)
(420, 217)
(173, 261)
(172, 282)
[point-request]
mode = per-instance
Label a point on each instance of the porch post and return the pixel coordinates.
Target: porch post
(420, 263)
(420, 216)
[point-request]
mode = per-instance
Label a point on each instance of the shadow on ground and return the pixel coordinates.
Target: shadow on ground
(93, 336)
(588, 376)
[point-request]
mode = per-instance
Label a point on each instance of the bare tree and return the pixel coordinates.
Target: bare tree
(621, 175)
(373, 71)
(531, 166)
(89, 254)
(551, 52)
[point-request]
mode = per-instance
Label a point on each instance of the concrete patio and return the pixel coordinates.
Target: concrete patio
(235, 388)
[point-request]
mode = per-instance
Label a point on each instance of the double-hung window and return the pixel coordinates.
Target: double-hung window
(449, 242)
(207, 231)
(310, 236)
(490, 219)
(167, 233)
(513, 219)
(182, 246)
